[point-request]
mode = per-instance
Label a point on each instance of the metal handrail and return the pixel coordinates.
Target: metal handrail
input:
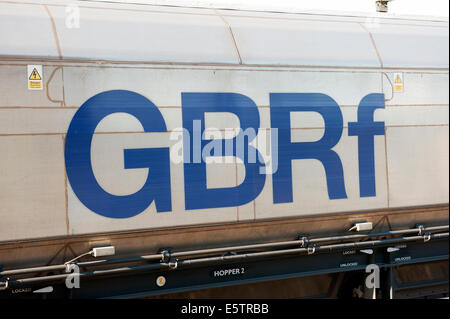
(161, 256)
(173, 264)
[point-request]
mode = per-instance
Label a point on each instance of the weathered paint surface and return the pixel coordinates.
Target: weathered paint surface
(37, 199)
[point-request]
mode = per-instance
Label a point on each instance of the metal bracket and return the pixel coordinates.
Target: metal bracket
(3, 281)
(421, 229)
(3, 285)
(173, 264)
(165, 255)
(303, 241)
(311, 250)
(426, 237)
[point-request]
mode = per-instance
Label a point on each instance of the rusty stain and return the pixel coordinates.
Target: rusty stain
(66, 192)
(392, 86)
(232, 36)
(48, 86)
(373, 44)
(55, 34)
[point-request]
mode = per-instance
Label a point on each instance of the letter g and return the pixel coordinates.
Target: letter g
(78, 156)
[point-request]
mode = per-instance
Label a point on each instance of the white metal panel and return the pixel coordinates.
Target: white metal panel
(299, 42)
(419, 88)
(14, 87)
(412, 46)
(418, 159)
(157, 34)
(145, 36)
(164, 86)
(416, 115)
(360, 17)
(26, 30)
(222, 175)
(32, 187)
(34, 120)
(221, 120)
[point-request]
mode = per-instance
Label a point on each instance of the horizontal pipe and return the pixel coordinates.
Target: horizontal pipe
(389, 233)
(316, 249)
(18, 282)
(219, 250)
(80, 264)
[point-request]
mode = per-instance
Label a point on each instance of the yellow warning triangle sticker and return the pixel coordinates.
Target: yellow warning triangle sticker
(35, 75)
(398, 79)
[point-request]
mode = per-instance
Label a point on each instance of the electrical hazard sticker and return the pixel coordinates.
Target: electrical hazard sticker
(398, 82)
(34, 77)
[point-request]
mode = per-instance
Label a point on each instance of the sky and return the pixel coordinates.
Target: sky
(438, 8)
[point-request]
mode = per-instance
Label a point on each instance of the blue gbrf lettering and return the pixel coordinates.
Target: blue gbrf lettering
(157, 187)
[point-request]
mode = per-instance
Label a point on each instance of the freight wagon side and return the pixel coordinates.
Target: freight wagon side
(277, 154)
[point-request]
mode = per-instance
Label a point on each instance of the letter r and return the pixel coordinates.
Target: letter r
(281, 104)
